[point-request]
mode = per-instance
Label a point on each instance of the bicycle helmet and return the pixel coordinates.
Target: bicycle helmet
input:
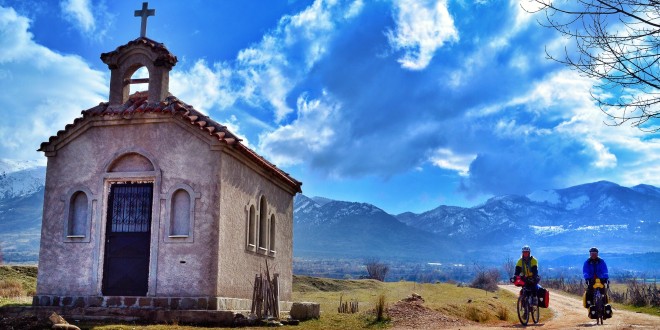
(593, 249)
(526, 249)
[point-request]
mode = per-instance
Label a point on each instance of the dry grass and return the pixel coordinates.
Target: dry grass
(17, 285)
(381, 309)
(11, 289)
(502, 312)
(475, 314)
(450, 299)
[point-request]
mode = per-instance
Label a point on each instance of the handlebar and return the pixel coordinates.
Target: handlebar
(517, 281)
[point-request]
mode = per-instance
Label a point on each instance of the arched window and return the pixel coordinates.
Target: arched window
(252, 223)
(263, 225)
(78, 215)
(272, 234)
(180, 213)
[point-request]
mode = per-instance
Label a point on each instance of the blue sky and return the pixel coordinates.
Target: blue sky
(403, 104)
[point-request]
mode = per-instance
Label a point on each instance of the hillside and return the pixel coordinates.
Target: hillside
(359, 230)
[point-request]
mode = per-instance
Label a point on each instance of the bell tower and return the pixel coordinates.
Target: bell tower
(141, 52)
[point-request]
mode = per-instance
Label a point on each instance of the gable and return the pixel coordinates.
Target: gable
(138, 105)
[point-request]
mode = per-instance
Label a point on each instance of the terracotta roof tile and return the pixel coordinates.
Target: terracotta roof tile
(137, 103)
(165, 58)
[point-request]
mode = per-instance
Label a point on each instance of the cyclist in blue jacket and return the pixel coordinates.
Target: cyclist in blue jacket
(594, 268)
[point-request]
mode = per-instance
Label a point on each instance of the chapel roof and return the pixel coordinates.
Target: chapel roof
(138, 103)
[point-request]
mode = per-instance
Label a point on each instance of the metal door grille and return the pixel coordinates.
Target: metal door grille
(131, 208)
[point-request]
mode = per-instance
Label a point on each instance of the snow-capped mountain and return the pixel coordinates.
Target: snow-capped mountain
(20, 178)
(555, 221)
(21, 207)
(12, 165)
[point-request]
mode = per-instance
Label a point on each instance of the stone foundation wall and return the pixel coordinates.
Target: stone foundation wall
(133, 315)
(166, 303)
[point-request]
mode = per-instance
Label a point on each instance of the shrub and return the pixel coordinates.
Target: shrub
(377, 270)
(572, 285)
(486, 280)
(641, 295)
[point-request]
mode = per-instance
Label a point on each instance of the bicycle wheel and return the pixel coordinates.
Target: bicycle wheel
(522, 308)
(598, 299)
(535, 311)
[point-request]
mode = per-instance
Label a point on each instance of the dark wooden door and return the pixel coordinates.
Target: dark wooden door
(127, 240)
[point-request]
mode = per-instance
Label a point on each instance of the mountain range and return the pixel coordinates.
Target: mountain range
(554, 222)
(561, 223)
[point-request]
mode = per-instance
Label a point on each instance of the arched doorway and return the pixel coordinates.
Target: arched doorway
(128, 230)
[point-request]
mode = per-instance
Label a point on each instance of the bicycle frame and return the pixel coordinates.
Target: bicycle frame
(527, 305)
(599, 301)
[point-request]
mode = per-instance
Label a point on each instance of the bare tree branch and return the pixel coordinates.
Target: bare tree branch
(377, 270)
(615, 42)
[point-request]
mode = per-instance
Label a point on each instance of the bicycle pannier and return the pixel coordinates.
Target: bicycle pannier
(544, 298)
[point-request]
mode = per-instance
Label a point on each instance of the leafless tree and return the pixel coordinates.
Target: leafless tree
(616, 42)
(376, 269)
(509, 266)
(485, 279)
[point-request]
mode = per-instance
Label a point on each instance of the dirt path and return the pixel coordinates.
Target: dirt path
(569, 314)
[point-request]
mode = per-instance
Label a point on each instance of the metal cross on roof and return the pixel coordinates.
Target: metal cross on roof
(144, 13)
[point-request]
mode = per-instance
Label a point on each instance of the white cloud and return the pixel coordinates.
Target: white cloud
(79, 13)
(621, 154)
(422, 28)
(42, 90)
(565, 88)
(494, 45)
(272, 68)
(524, 11)
(91, 20)
(204, 87)
(520, 62)
(311, 133)
(604, 159)
(447, 159)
